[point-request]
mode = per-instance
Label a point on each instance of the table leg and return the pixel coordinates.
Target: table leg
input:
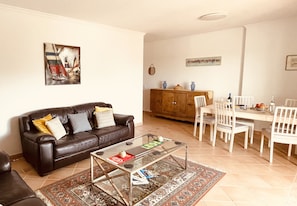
(131, 190)
(201, 125)
(186, 157)
(109, 178)
(92, 168)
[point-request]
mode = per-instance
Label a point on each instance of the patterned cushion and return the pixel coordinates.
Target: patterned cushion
(105, 118)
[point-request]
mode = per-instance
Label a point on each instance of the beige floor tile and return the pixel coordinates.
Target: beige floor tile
(250, 179)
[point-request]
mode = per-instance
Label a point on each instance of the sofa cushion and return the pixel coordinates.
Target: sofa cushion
(89, 108)
(101, 109)
(111, 135)
(74, 143)
(56, 127)
(79, 122)
(40, 123)
(15, 188)
(105, 118)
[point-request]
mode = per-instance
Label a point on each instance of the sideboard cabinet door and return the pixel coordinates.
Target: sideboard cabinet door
(156, 101)
(176, 104)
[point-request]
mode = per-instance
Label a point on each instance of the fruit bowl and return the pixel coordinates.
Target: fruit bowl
(260, 107)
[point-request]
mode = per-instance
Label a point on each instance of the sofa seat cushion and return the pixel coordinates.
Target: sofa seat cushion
(111, 135)
(75, 143)
(17, 191)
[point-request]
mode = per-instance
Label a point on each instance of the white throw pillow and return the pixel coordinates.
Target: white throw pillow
(56, 128)
(105, 118)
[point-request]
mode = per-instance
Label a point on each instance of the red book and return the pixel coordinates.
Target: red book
(119, 160)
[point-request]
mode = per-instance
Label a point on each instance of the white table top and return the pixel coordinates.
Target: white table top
(241, 113)
(247, 114)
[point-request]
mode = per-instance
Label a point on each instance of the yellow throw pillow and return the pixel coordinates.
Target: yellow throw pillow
(40, 123)
(102, 109)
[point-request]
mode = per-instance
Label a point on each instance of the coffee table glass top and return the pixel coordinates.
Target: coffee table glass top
(140, 151)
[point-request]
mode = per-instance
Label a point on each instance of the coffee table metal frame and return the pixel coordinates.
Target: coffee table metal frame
(153, 155)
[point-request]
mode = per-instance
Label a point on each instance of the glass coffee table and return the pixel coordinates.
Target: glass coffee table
(127, 159)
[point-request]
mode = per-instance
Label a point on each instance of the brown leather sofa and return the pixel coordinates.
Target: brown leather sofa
(46, 154)
(13, 189)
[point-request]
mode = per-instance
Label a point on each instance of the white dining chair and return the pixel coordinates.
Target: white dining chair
(225, 122)
(200, 101)
(245, 102)
(283, 129)
(290, 102)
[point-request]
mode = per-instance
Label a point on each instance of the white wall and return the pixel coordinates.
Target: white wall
(168, 56)
(267, 45)
(111, 68)
(264, 75)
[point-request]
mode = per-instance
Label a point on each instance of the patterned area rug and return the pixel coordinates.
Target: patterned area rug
(170, 185)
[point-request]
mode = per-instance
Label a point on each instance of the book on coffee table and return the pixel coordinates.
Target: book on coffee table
(147, 173)
(152, 144)
(117, 159)
(139, 179)
(143, 149)
(137, 151)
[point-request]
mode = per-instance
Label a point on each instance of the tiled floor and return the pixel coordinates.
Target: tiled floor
(249, 179)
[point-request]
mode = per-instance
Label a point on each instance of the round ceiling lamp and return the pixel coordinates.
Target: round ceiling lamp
(212, 16)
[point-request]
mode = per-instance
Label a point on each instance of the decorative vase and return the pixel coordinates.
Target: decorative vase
(193, 86)
(164, 85)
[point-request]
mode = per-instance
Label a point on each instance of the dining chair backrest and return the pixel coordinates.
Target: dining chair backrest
(199, 101)
(284, 122)
(243, 101)
(291, 102)
(224, 114)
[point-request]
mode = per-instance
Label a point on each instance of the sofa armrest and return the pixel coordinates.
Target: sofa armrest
(38, 137)
(5, 165)
(121, 119)
(126, 120)
(38, 151)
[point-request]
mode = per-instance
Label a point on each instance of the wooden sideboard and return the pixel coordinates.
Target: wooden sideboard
(176, 104)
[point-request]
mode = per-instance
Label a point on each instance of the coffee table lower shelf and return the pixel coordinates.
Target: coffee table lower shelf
(110, 181)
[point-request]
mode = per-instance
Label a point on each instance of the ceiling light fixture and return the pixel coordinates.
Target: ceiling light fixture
(213, 16)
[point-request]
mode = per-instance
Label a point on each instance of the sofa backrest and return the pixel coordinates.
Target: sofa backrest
(89, 108)
(26, 124)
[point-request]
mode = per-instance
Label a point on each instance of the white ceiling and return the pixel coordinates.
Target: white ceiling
(161, 19)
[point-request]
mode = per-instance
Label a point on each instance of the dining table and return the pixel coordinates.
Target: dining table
(248, 113)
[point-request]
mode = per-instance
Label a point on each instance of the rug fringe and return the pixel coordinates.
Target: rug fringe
(43, 198)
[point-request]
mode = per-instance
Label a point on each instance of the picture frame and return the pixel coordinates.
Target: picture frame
(291, 63)
(204, 61)
(61, 64)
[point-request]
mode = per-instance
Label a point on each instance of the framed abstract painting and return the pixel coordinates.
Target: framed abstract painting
(61, 64)
(291, 62)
